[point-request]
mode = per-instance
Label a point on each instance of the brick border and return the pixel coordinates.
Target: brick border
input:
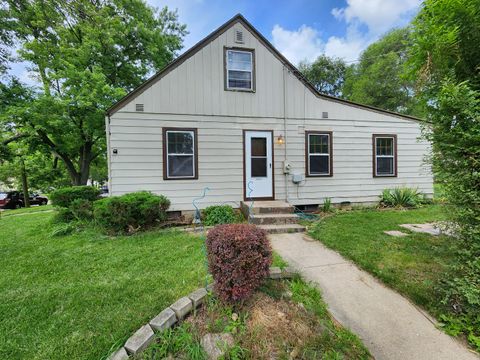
(176, 312)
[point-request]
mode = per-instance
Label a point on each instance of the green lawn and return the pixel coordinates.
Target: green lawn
(411, 264)
(32, 209)
(80, 296)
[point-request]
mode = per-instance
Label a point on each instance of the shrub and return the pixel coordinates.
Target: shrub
(130, 212)
(326, 207)
(401, 197)
(81, 209)
(65, 196)
(219, 214)
(239, 259)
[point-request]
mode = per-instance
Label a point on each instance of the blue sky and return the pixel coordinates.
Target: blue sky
(301, 29)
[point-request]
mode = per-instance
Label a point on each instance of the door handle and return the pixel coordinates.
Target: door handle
(270, 165)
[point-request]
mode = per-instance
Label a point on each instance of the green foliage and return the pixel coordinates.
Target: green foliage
(326, 207)
(85, 55)
(62, 229)
(401, 197)
(444, 59)
(179, 340)
(219, 214)
(81, 209)
(326, 74)
(377, 79)
(130, 212)
(66, 196)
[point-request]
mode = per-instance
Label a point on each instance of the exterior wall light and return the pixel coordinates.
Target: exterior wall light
(280, 140)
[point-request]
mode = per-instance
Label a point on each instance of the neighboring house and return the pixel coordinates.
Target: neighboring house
(232, 113)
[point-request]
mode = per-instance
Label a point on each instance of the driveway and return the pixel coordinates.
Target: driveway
(388, 324)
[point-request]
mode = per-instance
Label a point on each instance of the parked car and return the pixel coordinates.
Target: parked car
(15, 200)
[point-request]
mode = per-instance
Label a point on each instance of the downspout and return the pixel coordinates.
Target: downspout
(285, 128)
(109, 165)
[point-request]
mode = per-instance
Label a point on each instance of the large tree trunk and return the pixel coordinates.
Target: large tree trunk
(23, 174)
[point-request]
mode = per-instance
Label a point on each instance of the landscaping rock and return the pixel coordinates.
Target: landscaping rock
(140, 340)
(182, 307)
(198, 297)
(427, 228)
(275, 273)
(164, 320)
(395, 233)
(288, 273)
(215, 345)
(120, 354)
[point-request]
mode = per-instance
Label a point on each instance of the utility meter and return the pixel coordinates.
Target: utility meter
(287, 167)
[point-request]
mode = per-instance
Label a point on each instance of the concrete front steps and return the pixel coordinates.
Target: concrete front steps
(275, 217)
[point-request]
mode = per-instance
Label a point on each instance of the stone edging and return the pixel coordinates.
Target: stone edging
(176, 312)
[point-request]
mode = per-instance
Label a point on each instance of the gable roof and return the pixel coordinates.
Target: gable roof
(212, 36)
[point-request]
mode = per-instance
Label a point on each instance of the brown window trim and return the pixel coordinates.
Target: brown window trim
(195, 155)
(374, 155)
(225, 85)
(330, 152)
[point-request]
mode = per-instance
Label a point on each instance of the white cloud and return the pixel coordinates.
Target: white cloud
(297, 45)
(365, 20)
(378, 15)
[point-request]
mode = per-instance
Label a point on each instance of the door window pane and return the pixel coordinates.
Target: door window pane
(259, 146)
(259, 167)
(319, 165)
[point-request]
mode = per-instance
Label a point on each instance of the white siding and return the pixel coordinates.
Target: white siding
(193, 95)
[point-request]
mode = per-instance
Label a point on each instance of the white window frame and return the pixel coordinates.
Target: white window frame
(193, 154)
(327, 154)
(393, 156)
(227, 69)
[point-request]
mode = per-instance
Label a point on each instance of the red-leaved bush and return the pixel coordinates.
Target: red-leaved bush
(239, 259)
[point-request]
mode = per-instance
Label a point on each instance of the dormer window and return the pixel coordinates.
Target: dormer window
(239, 69)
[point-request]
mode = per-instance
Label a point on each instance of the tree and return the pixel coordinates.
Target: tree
(326, 74)
(377, 79)
(445, 62)
(87, 54)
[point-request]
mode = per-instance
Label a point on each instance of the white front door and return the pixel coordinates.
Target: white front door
(258, 164)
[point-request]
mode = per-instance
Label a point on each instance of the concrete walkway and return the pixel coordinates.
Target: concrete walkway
(388, 324)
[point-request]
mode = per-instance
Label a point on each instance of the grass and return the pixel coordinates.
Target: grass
(32, 209)
(412, 265)
(269, 325)
(81, 296)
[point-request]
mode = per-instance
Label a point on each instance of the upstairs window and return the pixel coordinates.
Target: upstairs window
(384, 155)
(180, 154)
(318, 153)
(239, 70)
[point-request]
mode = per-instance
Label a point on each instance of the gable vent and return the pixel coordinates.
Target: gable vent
(239, 37)
(138, 107)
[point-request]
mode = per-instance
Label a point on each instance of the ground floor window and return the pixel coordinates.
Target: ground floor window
(384, 155)
(318, 153)
(180, 156)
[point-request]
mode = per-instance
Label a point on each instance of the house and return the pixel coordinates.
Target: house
(232, 114)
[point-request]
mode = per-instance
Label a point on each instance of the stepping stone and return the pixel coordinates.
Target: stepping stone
(215, 345)
(395, 233)
(428, 228)
(140, 340)
(164, 320)
(275, 273)
(198, 297)
(120, 354)
(182, 307)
